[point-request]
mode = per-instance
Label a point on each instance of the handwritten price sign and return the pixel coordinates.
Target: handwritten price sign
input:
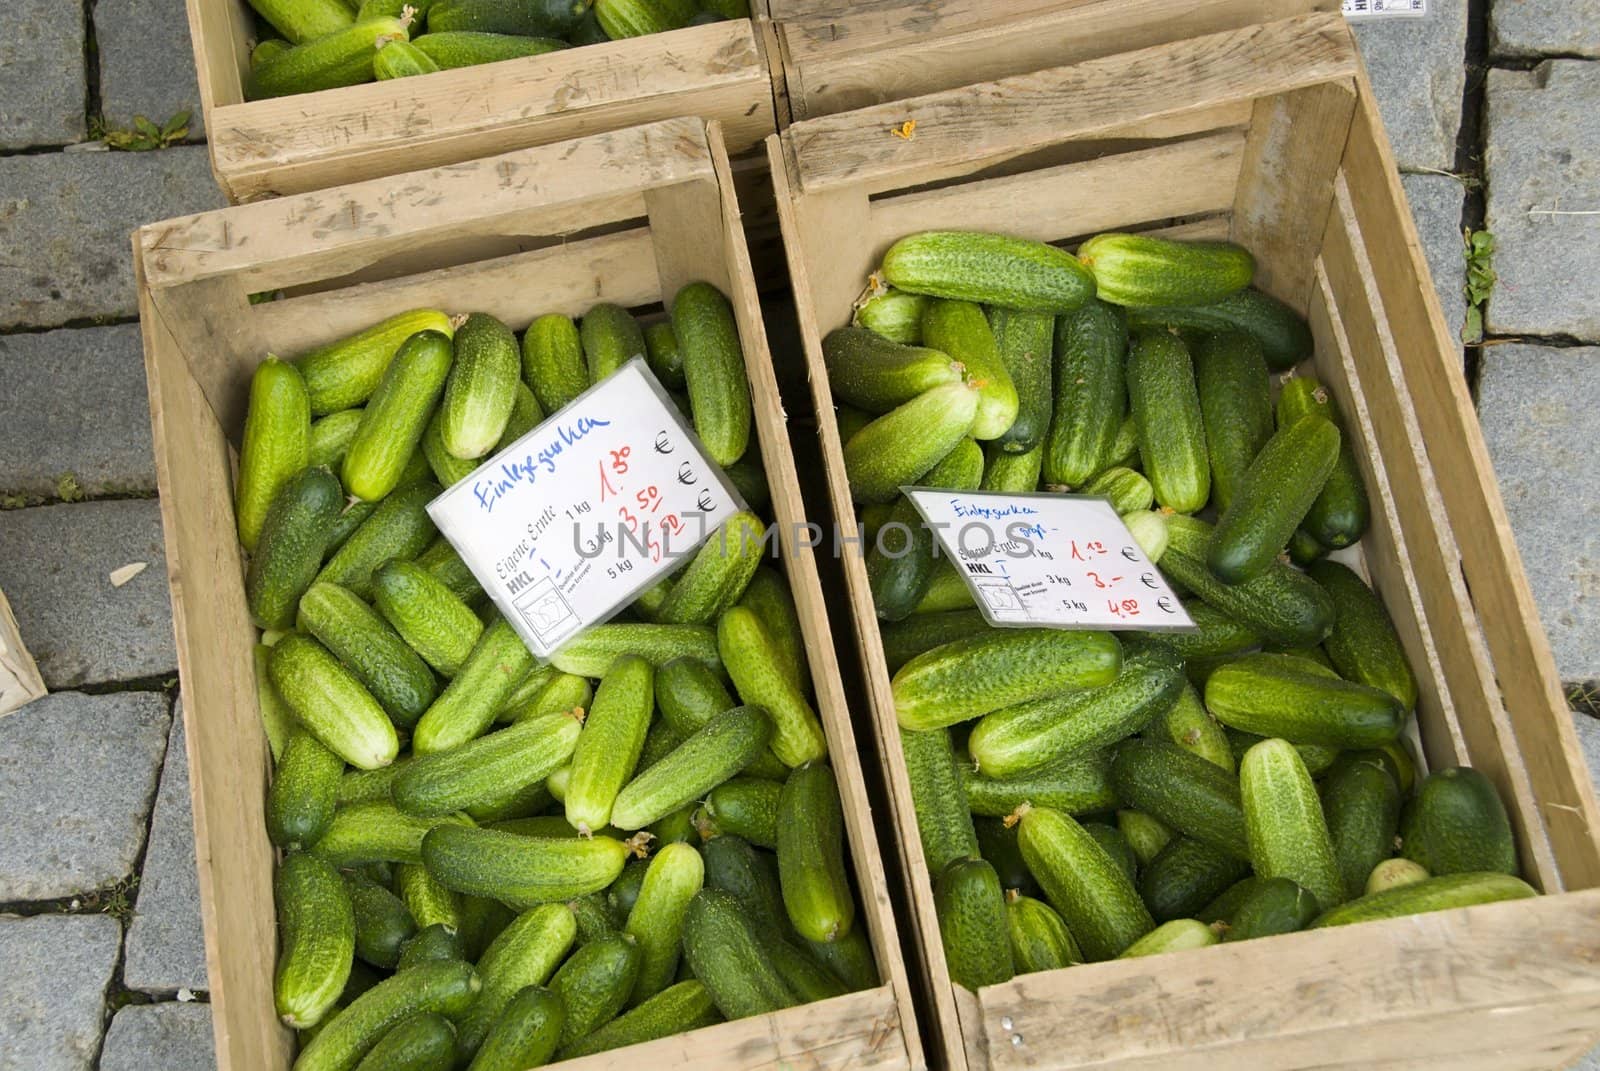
(568, 524)
(1048, 560)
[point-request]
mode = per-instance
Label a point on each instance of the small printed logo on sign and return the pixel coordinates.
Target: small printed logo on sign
(1359, 9)
(568, 524)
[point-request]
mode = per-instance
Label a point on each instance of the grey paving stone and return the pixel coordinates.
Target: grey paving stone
(66, 217)
(1520, 28)
(53, 988)
(1436, 206)
(146, 62)
(1589, 739)
(1544, 156)
(1536, 404)
(168, 1037)
(74, 401)
(43, 85)
(1418, 72)
(77, 774)
(166, 948)
(55, 566)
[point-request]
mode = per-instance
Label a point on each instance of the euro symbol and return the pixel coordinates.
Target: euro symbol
(663, 443)
(1165, 604)
(686, 474)
(1148, 581)
(1130, 554)
(706, 501)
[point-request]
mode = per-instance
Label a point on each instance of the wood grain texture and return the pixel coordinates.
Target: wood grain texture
(958, 128)
(20, 683)
(1431, 363)
(221, 32)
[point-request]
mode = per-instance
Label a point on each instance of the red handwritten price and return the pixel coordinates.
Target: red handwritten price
(1125, 608)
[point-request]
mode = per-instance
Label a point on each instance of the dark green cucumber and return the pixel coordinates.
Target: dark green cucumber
(433, 943)
(718, 573)
(541, 18)
(1227, 903)
(521, 870)
(664, 355)
(611, 338)
(383, 925)
(1457, 824)
(677, 1009)
(482, 920)
(894, 315)
(761, 678)
(1116, 845)
(343, 57)
(746, 807)
(304, 792)
(904, 640)
(467, 706)
(526, 415)
(1077, 786)
(612, 740)
(526, 1034)
(1274, 906)
(431, 618)
(1363, 645)
(375, 832)
(624, 892)
(723, 951)
(848, 959)
(1094, 897)
(1091, 345)
(526, 953)
(1012, 472)
(289, 550)
(396, 415)
(899, 447)
(1282, 605)
(276, 446)
(1144, 271)
(317, 935)
(727, 744)
(1284, 823)
(552, 361)
(1432, 894)
(1040, 940)
(425, 1042)
(997, 843)
(993, 269)
(482, 385)
(1341, 512)
(344, 373)
(871, 372)
(1284, 337)
(1182, 790)
(1283, 695)
(594, 915)
(592, 652)
(1231, 376)
(468, 48)
(1272, 499)
(944, 822)
(690, 694)
(973, 924)
(806, 978)
(594, 984)
(329, 702)
(1219, 634)
(748, 476)
(1188, 724)
(1319, 758)
(1186, 875)
(1016, 739)
(1026, 344)
(959, 329)
(377, 655)
(447, 987)
(1166, 408)
(1002, 667)
(1145, 834)
(901, 562)
(811, 866)
(398, 528)
(713, 367)
(751, 878)
(1128, 491)
(1361, 802)
(486, 768)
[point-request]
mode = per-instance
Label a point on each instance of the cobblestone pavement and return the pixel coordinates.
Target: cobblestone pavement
(1496, 123)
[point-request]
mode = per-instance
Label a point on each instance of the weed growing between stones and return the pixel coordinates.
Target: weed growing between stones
(1478, 248)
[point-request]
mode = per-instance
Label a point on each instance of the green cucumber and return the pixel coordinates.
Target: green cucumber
(1166, 408)
(1274, 906)
(429, 902)
(746, 807)
(276, 446)
(431, 619)
(1128, 491)
(451, 49)
(899, 447)
(1280, 695)
(1125, 447)
(1185, 875)
(526, 1034)
(563, 693)
(1282, 333)
(482, 920)
(713, 367)
(344, 373)
(1219, 634)
(399, 528)
(1441, 893)
(1090, 397)
(343, 57)
(424, 1042)
(1026, 344)
(768, 595)
(1176, 935)
(1116, 845)
(1363, 645)
(993, 269)
(944, 822)
(947, 590)
(848, 959)
(401, 59)
(973, 924)
(1282, 605)
(904, 640)
(761, 679)
(751, 878)
(1040, 940)
(447, 987)
(1077, 786)
(850, 420)
(877, 375)
(519, 870)
(1143, 271)
(353, 516)
(1149, 531)
(330, 703)
(595, 982)
(380, 659)
(1284, 823)
(729, 743)
(1303, 550)
(1341, 512)
(999, 668)
(1094, 897)
(592, 652)
(525, 416)
(664, 355)
(594, 915)
(612, 739)
(1188, 724)
(383, 925)
(331, 437)
(481, 388)
(1361, 803)
(690, 695)
(723, 951)
(304, 792)
(1183, 791)
(894, 315)
(1225, 905)
(1393, 873)
(621, 19)
(959, 329)
(672, 879)
(291, 543)
(546, 18)
(899, 574)
(610, 338)
(1272, 499)
(304, 20)
(1457, 824)
(269, 48)
(1023, 737)
(1319, 758)
(749, 477)
(718, 574)
(467, 706)
(1231, 377)
(1145, 834)
(1012, 472)
(375, 832)
(552, 361)
(317, 932)
(526, 953)
(811, 866)
(487, 768)
(448, 469)
(677, 1009)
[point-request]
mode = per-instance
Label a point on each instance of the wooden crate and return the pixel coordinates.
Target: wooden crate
(310, 141)
(1267, 135)
(627, 216)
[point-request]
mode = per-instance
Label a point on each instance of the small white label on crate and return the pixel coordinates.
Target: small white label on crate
(1050, 560)
(570, 522)
(1363, 9)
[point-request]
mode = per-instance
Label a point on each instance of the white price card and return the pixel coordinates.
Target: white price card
(570, 522)
(1050, 560)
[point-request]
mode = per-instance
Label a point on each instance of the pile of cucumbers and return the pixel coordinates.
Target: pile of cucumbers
(491, 863)
(307, 45)
(1086, 795)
